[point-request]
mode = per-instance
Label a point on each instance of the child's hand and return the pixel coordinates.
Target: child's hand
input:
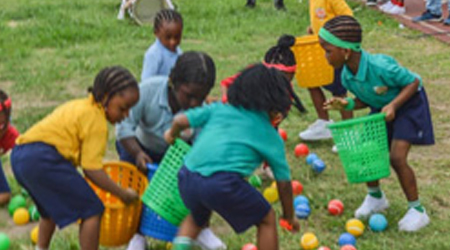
(309, 30)
(129, 195)
(141, 161)
(170, 139)
(336, 103)
(290, 225)
(389, 110)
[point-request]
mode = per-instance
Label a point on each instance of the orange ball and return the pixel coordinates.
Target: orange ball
(297, 187)
(335, 207)
(348, 247)
(283, 134)
(301, 150)
(249, 246)
(21, 216)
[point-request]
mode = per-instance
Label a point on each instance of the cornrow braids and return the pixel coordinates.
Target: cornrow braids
(111, 80)
(346, 28)
(281, 53)
(6, 110)
(194, 67)
(166, 15)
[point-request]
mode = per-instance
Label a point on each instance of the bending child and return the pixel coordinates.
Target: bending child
(229, 148)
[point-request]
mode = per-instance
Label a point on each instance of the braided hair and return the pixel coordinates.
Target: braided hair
(262, 89)
(346, 28)
(194, 68)
(5, 110)
(110, 81)
(166, 15)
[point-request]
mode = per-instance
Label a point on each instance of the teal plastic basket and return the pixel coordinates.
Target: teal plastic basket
(362, 146)
(162, 194)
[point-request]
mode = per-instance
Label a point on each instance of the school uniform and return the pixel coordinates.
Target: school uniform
(233, 143)
(45, 159)
(378, 81)
(158, 60)
(7, 142)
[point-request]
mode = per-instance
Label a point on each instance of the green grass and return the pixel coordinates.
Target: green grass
(50, 52)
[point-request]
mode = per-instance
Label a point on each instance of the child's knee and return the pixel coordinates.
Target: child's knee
(397, 161)
(4, 198)
(269, 219)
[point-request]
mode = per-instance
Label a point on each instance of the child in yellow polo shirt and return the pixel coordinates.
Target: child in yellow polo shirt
(75, 134)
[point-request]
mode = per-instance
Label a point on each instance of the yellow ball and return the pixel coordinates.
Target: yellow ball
(21, 216)
(34, 234)
(309, 241)
(271, 194)
(355, 227)
(168, 246)
(274, 184)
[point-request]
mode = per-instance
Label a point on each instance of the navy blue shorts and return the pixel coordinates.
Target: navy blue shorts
(58, 190)
(125, 156)
(225, 193)
(412, 121)
(336, 87)
(4, 187)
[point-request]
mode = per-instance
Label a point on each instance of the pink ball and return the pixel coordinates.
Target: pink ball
(249, 246)
(297, 187)
(348, 247)
(335, 207)
(283, 134)
(323, 248)
(301, 150)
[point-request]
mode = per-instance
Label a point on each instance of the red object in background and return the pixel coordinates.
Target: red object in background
(249, 246)
(348, 247)
(297, 187)
(335, 207)
(323, 248)
(283, 134)
(301, 150)
(8, 140)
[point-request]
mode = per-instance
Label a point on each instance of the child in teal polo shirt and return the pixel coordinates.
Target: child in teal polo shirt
(379, 82)
(235, 139)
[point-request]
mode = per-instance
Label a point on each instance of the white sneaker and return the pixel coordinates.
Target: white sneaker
(334, 149)
(386, 6)
(317, 131)
(413, 220)
(138, 242)
(396, 10)
(207, 240)
(371, 205)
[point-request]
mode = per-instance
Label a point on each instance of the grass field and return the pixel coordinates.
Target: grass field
(50, 52)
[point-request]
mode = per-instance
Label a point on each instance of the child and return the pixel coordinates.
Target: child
(8, 135)
(140, 137)
(163, 53)
(229, 148)
(380, 83)
(433, 12)
(75, 134)
(320, 12)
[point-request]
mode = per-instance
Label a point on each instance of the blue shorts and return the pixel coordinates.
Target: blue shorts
(225, 193)
(125, 156)
(412, 121)
(4, 187)
(336, 87)
(58, 190)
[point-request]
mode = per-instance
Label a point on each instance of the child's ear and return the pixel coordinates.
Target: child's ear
(276, 119)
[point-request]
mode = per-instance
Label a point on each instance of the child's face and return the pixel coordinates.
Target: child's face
(190, 95)
(119, 105)
(170, 34)
(334, 55)
(3, 123)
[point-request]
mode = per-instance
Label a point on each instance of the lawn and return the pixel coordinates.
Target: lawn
(50, 52)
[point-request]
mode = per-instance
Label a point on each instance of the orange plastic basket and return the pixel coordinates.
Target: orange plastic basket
(120, 222)
(313, 69)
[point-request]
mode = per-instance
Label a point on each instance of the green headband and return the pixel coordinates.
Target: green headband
(332, 39)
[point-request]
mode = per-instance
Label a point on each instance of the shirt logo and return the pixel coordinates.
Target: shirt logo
(320, 13)
(380, 90)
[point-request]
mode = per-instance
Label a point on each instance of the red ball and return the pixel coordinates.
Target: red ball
(301, 150)
(297, 187)
(348, 247)
(335, 207)
(249, 246)
(283, 134)
(323, 248)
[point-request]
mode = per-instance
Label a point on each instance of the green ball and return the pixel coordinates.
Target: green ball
(4, 242)
(16, 202)
(255, 181)
(34, 213)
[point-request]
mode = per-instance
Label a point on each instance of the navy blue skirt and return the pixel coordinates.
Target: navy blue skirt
(4, 187)
(58, 190)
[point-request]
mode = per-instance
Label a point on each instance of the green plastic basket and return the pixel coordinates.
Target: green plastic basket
(363, 147)
(162, 194)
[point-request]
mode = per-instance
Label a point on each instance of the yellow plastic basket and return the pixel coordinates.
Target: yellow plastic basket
(120, 222)
(313, 69)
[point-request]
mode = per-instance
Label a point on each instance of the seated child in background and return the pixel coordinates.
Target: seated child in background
(234, 141)
(140, 137)
(379, 82)
(8, 136)
(164, 52)
(75, 134)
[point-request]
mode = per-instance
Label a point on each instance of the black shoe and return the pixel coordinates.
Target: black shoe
(279, 5)
(251, 4)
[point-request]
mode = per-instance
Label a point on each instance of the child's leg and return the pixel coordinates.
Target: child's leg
(267, 232)
(318, 98)
(186, 233)
(399, 153)
(90, 233)
(46, 230)
(4, 198)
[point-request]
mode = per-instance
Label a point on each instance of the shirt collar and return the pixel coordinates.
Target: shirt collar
(362, 68)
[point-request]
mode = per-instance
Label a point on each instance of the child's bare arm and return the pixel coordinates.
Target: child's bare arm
(286, 198)
(132, 146)
(101, 179)
(339, 103)
(180, 123)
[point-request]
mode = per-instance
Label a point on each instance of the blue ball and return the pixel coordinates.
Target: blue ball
(302, 211)
(300, 199)
(311, 158)
(378, 222)
(318, 166)
(347, 239)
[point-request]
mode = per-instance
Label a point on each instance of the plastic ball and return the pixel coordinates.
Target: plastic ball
(302, 211)
(255, 181)
(34, 234)
(347, 239)
(34, 213)
(355, 227)
(168, 246)
(378, 222)
(249, 246)
(4, 242)
(283, 134)
(311, 158)
(273, 184)
(309, 241)
(301, 199)
(335, 207)
(323, 248)
(318, 166)
(271, 195)
(21, 216)
(16, 202)
(348, 247)
(297, 187)
(301, 150)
